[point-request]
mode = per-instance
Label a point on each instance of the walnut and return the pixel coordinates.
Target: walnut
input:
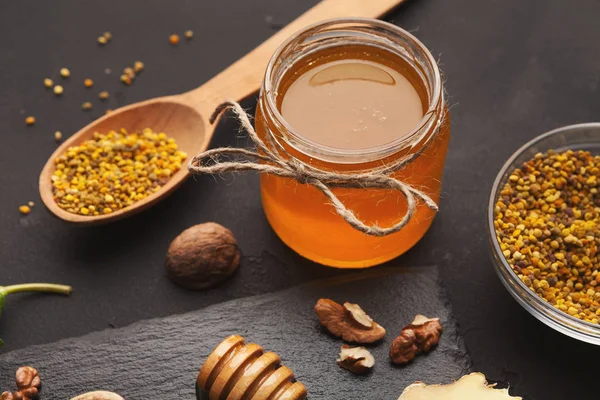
(420, 336)
(349, 322)
(202, 256)
(25, 394)
(28, 384)
(27, 377)
(7, 396)
(357, 360)
(99, 395)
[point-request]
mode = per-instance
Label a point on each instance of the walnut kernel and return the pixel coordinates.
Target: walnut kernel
(420, 336)
(342, 322)
(357, 360)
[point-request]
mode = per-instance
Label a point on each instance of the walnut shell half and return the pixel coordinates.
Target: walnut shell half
(202, 256)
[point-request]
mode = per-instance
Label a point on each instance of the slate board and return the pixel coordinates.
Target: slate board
(160, 358)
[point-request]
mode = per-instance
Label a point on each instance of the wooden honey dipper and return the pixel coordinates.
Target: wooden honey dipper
(239, 371)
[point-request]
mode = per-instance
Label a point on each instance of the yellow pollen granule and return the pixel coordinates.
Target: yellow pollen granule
(138, 66)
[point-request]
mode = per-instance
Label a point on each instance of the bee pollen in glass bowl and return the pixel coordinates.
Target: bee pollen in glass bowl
(547, 222)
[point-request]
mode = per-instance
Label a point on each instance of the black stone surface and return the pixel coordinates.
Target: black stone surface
(160, 358)
(513, 70)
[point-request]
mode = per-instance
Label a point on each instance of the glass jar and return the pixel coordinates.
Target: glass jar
(299, 213)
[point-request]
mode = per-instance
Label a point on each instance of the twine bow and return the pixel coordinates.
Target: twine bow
(275, 160)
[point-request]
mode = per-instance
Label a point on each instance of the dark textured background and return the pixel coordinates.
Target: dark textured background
(160, 358)
(514, 69)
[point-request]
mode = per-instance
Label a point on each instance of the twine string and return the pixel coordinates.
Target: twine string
(273, 159)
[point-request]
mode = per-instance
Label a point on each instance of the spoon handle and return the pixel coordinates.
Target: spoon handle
(244, 76)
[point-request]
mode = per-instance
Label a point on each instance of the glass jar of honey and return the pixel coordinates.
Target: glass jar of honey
(352, 96)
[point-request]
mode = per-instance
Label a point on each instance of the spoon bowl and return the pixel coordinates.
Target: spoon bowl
(185, 117)
(169, 114)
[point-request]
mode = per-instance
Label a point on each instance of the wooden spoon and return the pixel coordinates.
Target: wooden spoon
(185, 117)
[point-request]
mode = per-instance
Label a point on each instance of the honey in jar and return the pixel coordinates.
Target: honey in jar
(352, 96)
(351, 104)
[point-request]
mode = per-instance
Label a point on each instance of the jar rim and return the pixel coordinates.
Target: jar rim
(436, 98)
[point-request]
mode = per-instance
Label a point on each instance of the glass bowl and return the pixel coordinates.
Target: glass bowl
(575, 137)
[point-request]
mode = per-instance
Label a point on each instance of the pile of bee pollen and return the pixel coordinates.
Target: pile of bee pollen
(114, 170)
(547, 221)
